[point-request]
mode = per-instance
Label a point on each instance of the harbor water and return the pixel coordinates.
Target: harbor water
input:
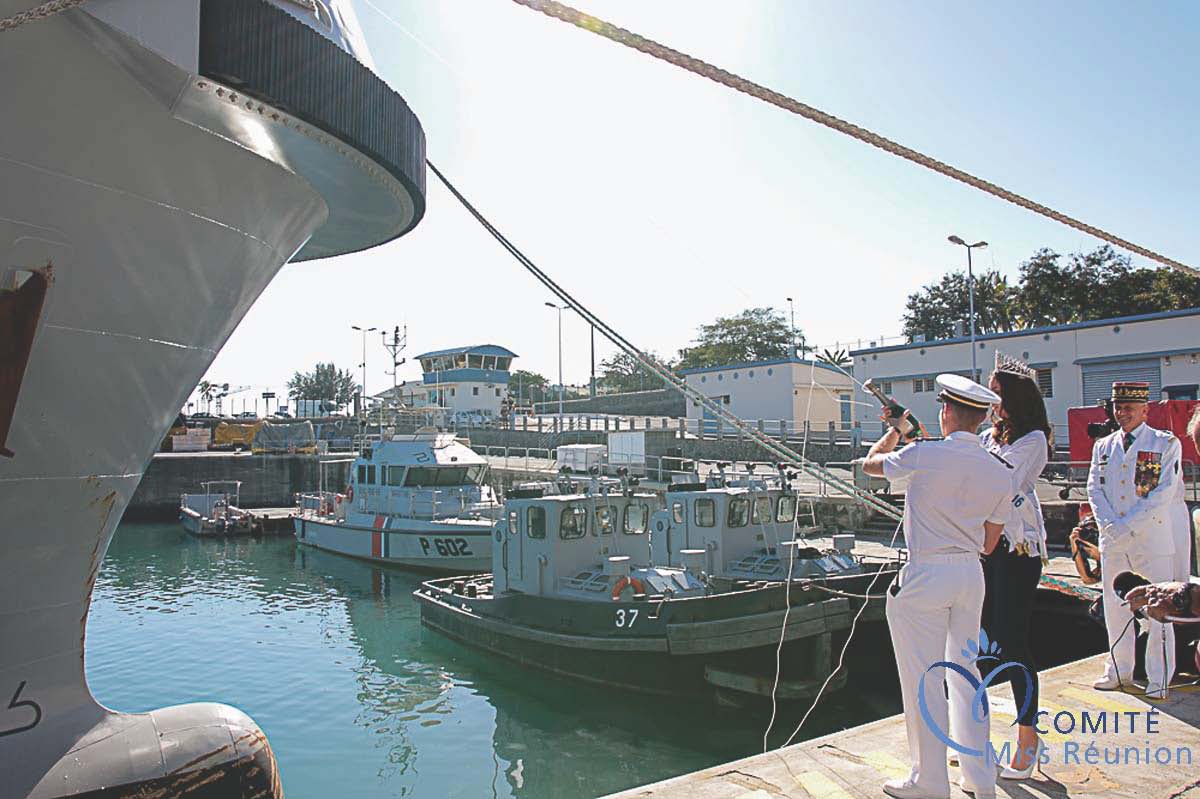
(328, 655)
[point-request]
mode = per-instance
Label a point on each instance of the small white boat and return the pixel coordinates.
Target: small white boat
(417, 500)
(216, 511)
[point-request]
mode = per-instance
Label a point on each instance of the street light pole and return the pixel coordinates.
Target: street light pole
(363, 392)
(559, 308)
(970, 294)
(792, 308)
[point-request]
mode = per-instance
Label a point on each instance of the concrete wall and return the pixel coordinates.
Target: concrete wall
(268, 481)
(1064, 350)
(658, 402)
(774, 390)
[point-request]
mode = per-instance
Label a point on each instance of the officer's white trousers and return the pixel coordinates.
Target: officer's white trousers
(935, 611)
(1181, 526)
(1160, 645)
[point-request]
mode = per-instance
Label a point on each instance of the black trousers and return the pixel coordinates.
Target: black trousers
(1011, 581)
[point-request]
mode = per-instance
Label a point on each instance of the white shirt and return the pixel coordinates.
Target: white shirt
(954, 486)
(1028, 456)
(1127, 520)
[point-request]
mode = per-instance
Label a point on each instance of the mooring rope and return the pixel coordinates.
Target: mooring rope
(705, 70)
(785, 455)
(43, 11)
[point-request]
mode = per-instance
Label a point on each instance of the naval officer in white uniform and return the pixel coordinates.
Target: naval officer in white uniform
(1133, 487)
(958, 500)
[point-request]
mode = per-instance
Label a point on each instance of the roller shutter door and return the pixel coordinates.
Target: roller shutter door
(1098, 378)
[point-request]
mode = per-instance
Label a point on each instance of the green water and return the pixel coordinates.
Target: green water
(328, 655)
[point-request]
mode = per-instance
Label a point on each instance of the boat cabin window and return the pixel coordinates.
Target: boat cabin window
(362, 474)
(739, 511)
(636, 515)
(489, 362)
(706, 513)
(514, 523)
(460, 360)
(535, 522)
(604, 520)
(475, 361)
(371, 474)
(787, 509)
(476, 474)
(395, 475)
(677, 512)
(503, 363)
(426, 364)
(760, 511)
(573, 523)
(437, 476)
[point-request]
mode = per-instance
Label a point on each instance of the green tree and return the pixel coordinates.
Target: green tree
(528, 387)
(753, 335)
(936, 308)
(622, 372)
(207, 391)
(324, 382)
(839, 357)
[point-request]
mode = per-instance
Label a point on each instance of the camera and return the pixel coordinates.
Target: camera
(1108, 426)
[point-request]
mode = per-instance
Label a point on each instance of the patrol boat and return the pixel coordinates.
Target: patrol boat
(419, 500)
(216, 511)
(160, 162)
(574, 590)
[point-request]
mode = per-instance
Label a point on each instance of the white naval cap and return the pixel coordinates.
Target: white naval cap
(964, 391)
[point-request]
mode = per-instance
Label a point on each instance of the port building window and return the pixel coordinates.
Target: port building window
(395, 475)
(706, 513)
(760, 512)
(573, 523)
(886, 386)
(636, 516)
(497, 392)
(452, 392)
(677, 512)
(535, 522)
(460, 360)
(1045, 381)
(475, 391)
(787, 509)
(503, 363)
(921, 385)
(739, 512)
(475, 361)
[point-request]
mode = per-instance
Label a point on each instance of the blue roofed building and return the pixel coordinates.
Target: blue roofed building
(470, 380)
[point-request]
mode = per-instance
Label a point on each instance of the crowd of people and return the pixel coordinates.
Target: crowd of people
(976, 542)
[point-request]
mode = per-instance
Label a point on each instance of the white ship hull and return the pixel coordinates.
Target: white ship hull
(457, 546)
(161, 233)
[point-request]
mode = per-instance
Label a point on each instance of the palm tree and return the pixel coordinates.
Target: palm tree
(206, 390)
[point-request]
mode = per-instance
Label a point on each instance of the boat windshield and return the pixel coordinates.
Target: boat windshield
(635, 518)
(441, 476)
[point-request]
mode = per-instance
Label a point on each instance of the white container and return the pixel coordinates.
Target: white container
(627, 448)
(580, 458)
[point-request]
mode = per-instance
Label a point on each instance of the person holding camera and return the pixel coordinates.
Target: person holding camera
(1020, 435)
(958, 500)
(1132, 488)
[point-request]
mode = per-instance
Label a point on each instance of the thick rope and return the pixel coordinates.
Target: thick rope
(44, 11)
(706, 70)
(668, 377)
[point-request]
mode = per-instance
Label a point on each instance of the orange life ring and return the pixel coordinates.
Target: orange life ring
(624, 583)
(350, 493)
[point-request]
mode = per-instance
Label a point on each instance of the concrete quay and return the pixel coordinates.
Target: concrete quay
(854, 763)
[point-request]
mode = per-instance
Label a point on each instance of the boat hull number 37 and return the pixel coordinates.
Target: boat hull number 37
(447, 547)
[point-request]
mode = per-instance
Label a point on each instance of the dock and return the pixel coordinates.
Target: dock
(854, 763)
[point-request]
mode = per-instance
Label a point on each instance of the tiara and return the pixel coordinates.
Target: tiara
(1012, 366)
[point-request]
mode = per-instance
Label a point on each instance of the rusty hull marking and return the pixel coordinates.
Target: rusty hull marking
(20, 312)
(106, 503)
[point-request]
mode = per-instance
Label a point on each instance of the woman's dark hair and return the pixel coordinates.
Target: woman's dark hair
(1022, 401)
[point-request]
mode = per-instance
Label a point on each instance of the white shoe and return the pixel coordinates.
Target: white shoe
(1108, 684)
(907, 789)
(990, 793)
(1009, 773)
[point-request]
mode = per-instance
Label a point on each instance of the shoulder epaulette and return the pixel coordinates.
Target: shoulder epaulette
(999, 458)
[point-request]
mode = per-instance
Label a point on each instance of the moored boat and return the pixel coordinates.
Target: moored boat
(420, 501)
(575, 590)
(215, 511)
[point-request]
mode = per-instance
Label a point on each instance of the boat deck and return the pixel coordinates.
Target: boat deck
(854, 763)
(273, 521)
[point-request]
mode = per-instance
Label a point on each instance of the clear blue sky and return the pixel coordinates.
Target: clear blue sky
(664, 201)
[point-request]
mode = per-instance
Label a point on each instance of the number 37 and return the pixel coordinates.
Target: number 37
(626, 618)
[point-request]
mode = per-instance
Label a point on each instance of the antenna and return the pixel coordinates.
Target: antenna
(395, 347)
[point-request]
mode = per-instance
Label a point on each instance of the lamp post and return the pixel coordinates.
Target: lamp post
(363, 400)
(979, 245)
(559, 308)
(792, 310)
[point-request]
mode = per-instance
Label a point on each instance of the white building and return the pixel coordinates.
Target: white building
(464, 379)
(1076, 363)
(790, 390)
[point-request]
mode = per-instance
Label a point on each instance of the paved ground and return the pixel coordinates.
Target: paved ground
(854, 763)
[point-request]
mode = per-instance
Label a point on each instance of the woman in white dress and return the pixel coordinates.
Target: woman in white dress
(1021, 435)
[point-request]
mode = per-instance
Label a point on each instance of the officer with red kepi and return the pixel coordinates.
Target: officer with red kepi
(1133, 487)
